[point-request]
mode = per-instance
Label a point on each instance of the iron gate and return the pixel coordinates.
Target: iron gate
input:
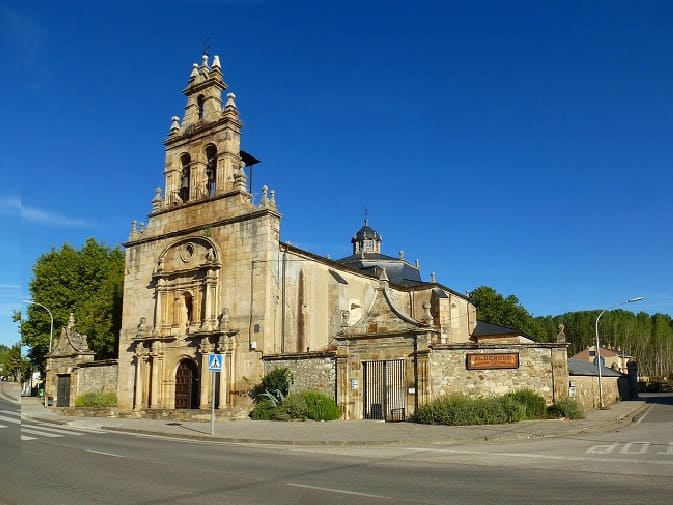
(63, 390)
(384, 390)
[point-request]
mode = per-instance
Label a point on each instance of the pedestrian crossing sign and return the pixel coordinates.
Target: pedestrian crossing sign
(214, 362)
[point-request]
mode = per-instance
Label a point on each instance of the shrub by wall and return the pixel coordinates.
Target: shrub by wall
(96, 400)
(459, 410)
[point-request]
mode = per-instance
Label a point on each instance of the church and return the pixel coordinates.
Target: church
(207, 273)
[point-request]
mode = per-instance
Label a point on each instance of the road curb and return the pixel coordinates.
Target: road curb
(58, 422)
(334, 443)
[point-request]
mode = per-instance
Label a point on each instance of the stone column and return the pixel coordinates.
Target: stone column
(138, 387)
(206, 379)
(156, 366)
(147, 377)
(225, 376)
(559, 372)
(343, 392)
(211, 298)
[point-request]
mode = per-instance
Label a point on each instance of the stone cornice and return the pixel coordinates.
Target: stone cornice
(474, 346)
(299, 355)
(190, 133)
(187, 231)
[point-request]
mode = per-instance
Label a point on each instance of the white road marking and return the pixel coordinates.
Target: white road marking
(57, 430)
(26, 437)
(668, 451)
(104, 453)
(647, 411)
(3, 426)
(627, 448)
(340, 491)
(10, 420)
(38, 432)
(601, 449)
(543, 456)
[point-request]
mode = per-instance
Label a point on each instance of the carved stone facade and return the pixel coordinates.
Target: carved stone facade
(209, 274)
(70, 351)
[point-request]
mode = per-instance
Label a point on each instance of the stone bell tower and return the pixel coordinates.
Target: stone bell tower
(203, 157)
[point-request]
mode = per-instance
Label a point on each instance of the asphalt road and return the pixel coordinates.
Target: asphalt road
(10, 451)
(628, 467)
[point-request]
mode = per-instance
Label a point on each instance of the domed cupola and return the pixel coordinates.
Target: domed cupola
(366, 240)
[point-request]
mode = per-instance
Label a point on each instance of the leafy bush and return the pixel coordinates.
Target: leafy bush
(263, 409)
(273, 400)
(455, 410)
(566, 407)
(96, 400)
(320, 407)
(303, 405)
(534, 404)
(459, 410)
(274, 386)
(294, 407)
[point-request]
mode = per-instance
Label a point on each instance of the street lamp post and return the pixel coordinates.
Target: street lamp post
(51, 335)
(598, 347)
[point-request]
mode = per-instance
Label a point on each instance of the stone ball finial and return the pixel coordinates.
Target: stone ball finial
(71, 321)
(216, 61)
(195, 71)
(175, 123)
(230, 100)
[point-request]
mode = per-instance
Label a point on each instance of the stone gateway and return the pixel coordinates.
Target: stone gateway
(208, 273)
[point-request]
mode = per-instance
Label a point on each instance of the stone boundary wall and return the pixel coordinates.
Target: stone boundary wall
(88, 411)
(588, 392)
(311, 371)
(96, 377)
(542, 368)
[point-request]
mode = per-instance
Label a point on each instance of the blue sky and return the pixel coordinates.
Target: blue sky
(520, 145)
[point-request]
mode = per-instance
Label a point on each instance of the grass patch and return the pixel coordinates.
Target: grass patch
(96, 400)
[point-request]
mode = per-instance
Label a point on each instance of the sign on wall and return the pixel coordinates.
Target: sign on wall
(492, 361)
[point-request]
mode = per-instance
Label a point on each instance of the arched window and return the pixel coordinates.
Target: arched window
(185, 161)
(199, 102)
(211, 168)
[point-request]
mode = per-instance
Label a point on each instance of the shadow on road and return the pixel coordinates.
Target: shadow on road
(660, 398)
(187, 428)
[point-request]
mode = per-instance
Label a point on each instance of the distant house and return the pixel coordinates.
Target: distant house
(584, 383)
(616, 360)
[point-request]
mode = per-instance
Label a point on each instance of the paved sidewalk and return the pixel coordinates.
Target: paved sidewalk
(344, 432)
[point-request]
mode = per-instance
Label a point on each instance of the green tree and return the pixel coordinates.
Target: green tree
(3, 356)
(87, 282)
(506, 311)
(13, 364)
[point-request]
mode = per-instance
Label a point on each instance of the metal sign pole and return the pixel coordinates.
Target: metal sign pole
(212, 407)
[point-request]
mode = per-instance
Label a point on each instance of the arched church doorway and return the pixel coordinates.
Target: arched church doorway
(187, 385)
